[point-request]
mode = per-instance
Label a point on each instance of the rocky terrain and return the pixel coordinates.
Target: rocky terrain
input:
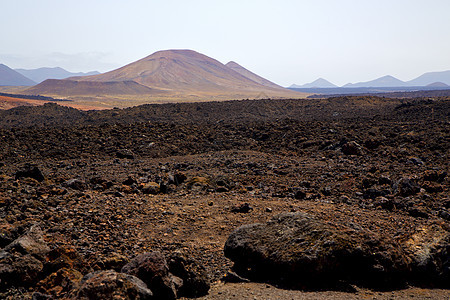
(340, 198)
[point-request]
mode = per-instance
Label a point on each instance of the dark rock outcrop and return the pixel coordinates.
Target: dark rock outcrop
(111, 285)
(152, 268)
(299, 250)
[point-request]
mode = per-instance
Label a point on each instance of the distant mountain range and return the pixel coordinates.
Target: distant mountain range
(170, 73)
(319, 83)
(41, 74)
(23, 77)
(433, 79)
(9, 77)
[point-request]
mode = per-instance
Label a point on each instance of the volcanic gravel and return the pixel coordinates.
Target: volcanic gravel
(176, 176)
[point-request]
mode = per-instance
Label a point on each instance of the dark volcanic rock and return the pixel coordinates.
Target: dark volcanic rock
(406, 187)
(21, 260)
(194, 276)
(30, 171)
(18, 270)
(152, 268)
(61, 282)
(111, 285)
(352, 148)
(299, 250)
(31, 243)
(125, 153)
(242, 208)
(75, 184)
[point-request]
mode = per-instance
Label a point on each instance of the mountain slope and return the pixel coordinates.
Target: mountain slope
(256, 78)
(431, 77)
(41, 74)
(319, 83)
(385, 81)
(187, 71)
(10, 77)
(171, 75)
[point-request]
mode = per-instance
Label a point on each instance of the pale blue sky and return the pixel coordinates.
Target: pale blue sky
(284, 41)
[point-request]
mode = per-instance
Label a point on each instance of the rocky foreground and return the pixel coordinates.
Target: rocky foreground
(339, 198)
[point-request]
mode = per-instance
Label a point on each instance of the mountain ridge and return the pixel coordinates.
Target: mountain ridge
(184, 73)
(318, 83)
(423, 80)
(10, 77)
(41, 74)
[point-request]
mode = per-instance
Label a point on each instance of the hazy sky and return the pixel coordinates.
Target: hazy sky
(285, 41)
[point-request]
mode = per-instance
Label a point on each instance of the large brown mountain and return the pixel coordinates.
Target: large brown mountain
(181, 74)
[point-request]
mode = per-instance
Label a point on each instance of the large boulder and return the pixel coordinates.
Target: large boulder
(152, 268)
(301, 251)
(111, 285)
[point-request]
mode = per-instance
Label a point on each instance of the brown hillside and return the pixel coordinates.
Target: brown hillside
(187, 71)
(80, 88)
(256, 78)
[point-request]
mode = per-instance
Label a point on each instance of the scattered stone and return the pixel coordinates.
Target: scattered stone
(8, 233)
(300, 195)
(198, 183)
(64, 257)
(372, 144)
(111, 285)
(432, 187)
(384, 203)
(75, 184)
(129, 181)
(18, 270)
(179, 178)
(417, 212)
(152, 188)
(195, 279)
(434, 176)
(112, 261)
(30, 171)
(61, 282)
(152, 268)
(41, 296)
(352, 148)
(406, 187)
(384, 180)
(416, 161)
(31, 242)
(444, 215)
(242, 208)
(125, 153)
